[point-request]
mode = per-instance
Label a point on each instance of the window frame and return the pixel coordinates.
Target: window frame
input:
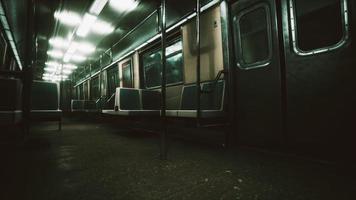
(92, 91)
(124, 64)
(150, 51)
(294, 30)
(114, 68)
(237, 34)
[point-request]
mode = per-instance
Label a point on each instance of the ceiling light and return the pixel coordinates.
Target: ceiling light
(68, 18)
(72, 48)
(55, 53)
(4, 22)
(47, 78)
(50, 69)
(52, 64)
(102, 27)
(59, 42)
(85, 47)
(66, 71)
(78, 58)
(47, 75)
(69, 66)
(67, 57)
(97, 6)
(123, 5)
(85, 26)
(9, 34)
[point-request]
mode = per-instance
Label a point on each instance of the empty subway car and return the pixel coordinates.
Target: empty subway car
(280, 73)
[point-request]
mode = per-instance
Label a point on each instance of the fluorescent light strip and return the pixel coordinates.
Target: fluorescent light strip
(55, 53)
(4, 22)
(85, 26)
(78, 58)
(123, 5)
(102, 27)
(9, 36)
(68, 18)
(69, 66)
(59, 42)
(2, 12)
(85, 47)
(97, 6)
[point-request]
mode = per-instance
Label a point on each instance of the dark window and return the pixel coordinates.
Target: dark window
(174, 68)
(3, 47)
(113, 80)
(80, 92)
(86, 91)
(253, 37)
(94, 88)
(319, 24)
(127, 74)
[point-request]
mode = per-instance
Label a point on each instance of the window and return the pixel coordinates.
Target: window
(174, 65)
(253, 33)
(113, 80)
(86, 91)
(127, 74)
(3, 46)
(80, 92)
(94, 88)
(318, 26)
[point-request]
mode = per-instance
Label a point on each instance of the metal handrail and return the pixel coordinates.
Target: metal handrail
(113, 95)
(217, 78)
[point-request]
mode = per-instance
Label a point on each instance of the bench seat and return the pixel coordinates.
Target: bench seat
(45, 102)
(10, 101)
(139, 102)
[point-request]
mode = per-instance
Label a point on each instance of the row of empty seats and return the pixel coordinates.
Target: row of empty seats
(44, 102)
(142, 102)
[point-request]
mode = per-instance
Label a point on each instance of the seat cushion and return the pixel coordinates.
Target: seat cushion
(151, 100)
(44, 96)
(11, 94)
(129, 99)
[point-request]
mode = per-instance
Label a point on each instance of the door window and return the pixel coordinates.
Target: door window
(252, 30)
(318, 26)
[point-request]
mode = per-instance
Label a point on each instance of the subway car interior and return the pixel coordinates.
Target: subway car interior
(178, 99)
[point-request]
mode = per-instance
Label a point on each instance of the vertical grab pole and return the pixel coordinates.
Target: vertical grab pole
(198, 61)
(163, 153)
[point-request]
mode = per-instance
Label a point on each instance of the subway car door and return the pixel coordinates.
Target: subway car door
(320, 75)
(258, 76)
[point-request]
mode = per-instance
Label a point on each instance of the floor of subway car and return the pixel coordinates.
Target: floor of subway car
(93, 160)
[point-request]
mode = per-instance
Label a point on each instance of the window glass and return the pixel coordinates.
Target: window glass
(127, 74)
(319, 23)
(80, 92)
(174, 66)
(2, 51)
(86, 91)
(113, 80)
(94, 88)
(254, 42)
